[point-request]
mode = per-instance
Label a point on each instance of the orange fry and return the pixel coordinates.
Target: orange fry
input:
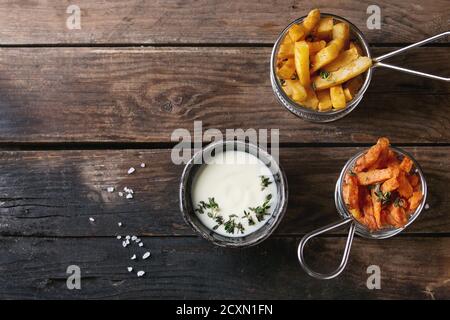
(374, 176)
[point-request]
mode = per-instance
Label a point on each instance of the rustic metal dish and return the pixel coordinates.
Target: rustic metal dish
(187, 208)
(356, 35)
(355, 226)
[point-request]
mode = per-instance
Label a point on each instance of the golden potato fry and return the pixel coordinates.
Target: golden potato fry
(301, 52)
(327, 54)
(286, 49)
(341, 31)
(347, 94)
(357, 47)
(311, 20)
(353, 85)
(324, 28)
(343, 59)
(297, 32)
(295, 90)
(311, 100)
(316, 46)
(287, 70)
(337, 97)
(324, 100)
(343, 74)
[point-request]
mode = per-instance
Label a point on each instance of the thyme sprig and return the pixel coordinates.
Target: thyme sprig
(261, 211)
(265, 181)
(383, 197)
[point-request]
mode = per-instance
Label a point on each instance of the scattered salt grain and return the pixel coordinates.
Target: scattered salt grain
(129, 196)
(141, 244)
(119, 237)
(137, 240)
(110, 189)
(142, 165)
(128, 237)
(130, 269)
(119, 224)
(427, 206)
(124, 244)
(133, 238)
(133, 257)
(131, 170)
(140, 273)
(91, 219)
(146, 255)
(120, 194)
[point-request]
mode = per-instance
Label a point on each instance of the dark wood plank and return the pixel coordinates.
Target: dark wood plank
(143, 94)
(205, 21)
(36, 268)
(53, 193)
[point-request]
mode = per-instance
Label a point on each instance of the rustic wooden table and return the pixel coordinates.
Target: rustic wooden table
(78, 107)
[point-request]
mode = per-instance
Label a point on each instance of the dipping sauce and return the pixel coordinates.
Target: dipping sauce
(234, 194)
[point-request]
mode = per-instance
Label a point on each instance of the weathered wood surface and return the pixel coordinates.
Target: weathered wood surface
(36, 268)
(53, 193)
(206, 21)
(143, 94)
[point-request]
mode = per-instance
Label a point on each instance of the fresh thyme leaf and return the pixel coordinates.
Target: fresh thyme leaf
(324, 74)
(265, 181)
(261, 211)
(247, 215)
(211, 207)
(398, 202)
(384, 198)
(351, 173)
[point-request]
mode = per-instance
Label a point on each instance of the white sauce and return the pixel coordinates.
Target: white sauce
(233, 179)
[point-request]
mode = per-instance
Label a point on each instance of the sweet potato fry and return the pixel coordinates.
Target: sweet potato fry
(413, 180)
(415, 200)
(376, 203)
(351, 195)
(397, 216)
(374, 176)
(404, 189)
(406, 164)
(372, 155)
(390, 185)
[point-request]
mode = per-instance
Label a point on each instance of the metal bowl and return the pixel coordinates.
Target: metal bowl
(355, 226)
(307, 113)
(187, 207)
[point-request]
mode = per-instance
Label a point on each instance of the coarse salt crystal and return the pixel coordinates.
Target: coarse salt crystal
(140, 273)
(133, 238)
(130, 269)
(141, 244)
(427, 206)
(131, 170)
(127, 237)
(124, 244)
(119, 224)
(138, 240)
(119, 237)
(146, 255)
(129, 196)
(110, 189)
(120, 194)
(142, 165)
(133, 257)
(91, 219)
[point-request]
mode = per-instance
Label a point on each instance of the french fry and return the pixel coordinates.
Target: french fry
(287, 71)
(311, 100)
(390, 185)
(302, 62)
(337, 97)
(372, 155)
(415, 200)
(316, 46)
(352, 198)
(341, 31)
(344, 58)
(327, 55)
(413, 180)
(406, 164)
(325, 28)
(324, 100)
(352, 86)
(343, 74)
(357, 47)
(295, 90)
(404, 189)
(376, 207)
(297, 32)
(397, 216)
(286, 49)
(311, 20)
(374, 176)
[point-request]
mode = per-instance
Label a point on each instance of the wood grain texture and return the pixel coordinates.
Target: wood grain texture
(36, 268)
(143, 94)
(206, 21)
(53, 193)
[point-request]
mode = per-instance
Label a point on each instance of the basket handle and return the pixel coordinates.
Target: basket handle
(348, 245)
(378, 63)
